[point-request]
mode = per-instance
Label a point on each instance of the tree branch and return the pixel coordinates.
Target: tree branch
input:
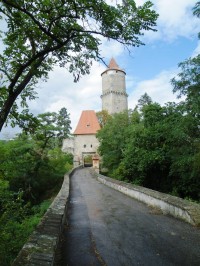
(44, 52)
(12, 4)
(5, 72)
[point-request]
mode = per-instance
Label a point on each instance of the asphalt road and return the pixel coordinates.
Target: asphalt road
(105, 227)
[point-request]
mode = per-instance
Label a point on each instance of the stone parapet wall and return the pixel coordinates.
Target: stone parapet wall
(41, 247)
(177, 207)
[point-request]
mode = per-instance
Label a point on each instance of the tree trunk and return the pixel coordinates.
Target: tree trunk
(6, 109)
(13, 94)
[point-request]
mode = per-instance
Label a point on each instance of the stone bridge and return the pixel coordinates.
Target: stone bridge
(95, 220)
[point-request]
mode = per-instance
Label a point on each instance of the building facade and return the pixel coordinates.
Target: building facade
(84, 143)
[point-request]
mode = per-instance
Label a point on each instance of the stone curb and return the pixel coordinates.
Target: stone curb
(177, 207)
(40, 249)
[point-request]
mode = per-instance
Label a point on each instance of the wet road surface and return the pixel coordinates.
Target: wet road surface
(106, 227)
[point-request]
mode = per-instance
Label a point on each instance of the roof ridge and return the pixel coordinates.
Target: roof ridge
(87, 124)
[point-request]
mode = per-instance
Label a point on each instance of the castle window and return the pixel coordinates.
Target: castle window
(88, 124)
(91, 145)
(84, 145)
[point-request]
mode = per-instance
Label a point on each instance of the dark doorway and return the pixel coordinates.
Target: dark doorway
(88, 161)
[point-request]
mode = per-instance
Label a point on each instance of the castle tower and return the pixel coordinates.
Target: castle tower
(114, 96)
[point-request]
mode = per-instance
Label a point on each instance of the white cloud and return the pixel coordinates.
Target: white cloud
(111, 49)
(175, 19)
(61, 91)
(197, 50)
(158, 88)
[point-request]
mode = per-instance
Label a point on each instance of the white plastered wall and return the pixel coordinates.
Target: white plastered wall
(83, 145)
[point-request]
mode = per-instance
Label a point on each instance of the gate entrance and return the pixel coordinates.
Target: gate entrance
(87, 160)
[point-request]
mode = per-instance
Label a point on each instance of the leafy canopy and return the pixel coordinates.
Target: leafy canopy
(33, 162)
(42, 33)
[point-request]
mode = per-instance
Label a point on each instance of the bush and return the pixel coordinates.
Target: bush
(17, 222)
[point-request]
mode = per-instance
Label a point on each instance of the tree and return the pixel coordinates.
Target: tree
(196, 12)
(52, 127)
(64, 122)
(47, 127)
(33, 161)
(144, 159)
(18, 219)
(158, 148)
(188, 84)
(144, 100)
(112, 140)
(42, 33)
(103, 116)
(162, 151)
(197, 9)
(186, 154)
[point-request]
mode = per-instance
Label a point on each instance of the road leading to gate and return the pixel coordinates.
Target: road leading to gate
(105, 227)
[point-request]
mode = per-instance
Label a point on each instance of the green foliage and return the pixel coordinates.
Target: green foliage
(34, 170)
(32, 167)
(196, 12)
(197, 9)
(102, 117)
(112, 138)
(43, 33)
(88, 159)
(53, 126)
(61, 162)
(144, 100)
(17, 221)
(188, 84)
(64, 124)
(158, 148)
(34, 162)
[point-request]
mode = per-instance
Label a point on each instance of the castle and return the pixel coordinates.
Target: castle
(84, 143)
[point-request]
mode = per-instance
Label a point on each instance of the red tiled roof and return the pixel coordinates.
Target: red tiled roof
(113, 64)
(88, 123)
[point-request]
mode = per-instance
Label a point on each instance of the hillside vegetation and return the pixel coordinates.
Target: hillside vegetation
(32, 167)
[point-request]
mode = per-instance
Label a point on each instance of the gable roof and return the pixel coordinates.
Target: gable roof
(88, 123)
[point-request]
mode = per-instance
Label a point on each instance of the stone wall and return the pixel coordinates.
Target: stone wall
(41, 247)
(68, 145)
(84, 145)
(177, 207)
(114, 96)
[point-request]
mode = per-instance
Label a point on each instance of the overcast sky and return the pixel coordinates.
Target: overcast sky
(149, 68)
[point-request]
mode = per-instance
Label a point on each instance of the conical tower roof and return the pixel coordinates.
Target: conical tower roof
(113, 66)
(88, 123)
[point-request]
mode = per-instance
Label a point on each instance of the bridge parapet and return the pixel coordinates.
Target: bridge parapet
(41, 247)
(168, 204)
